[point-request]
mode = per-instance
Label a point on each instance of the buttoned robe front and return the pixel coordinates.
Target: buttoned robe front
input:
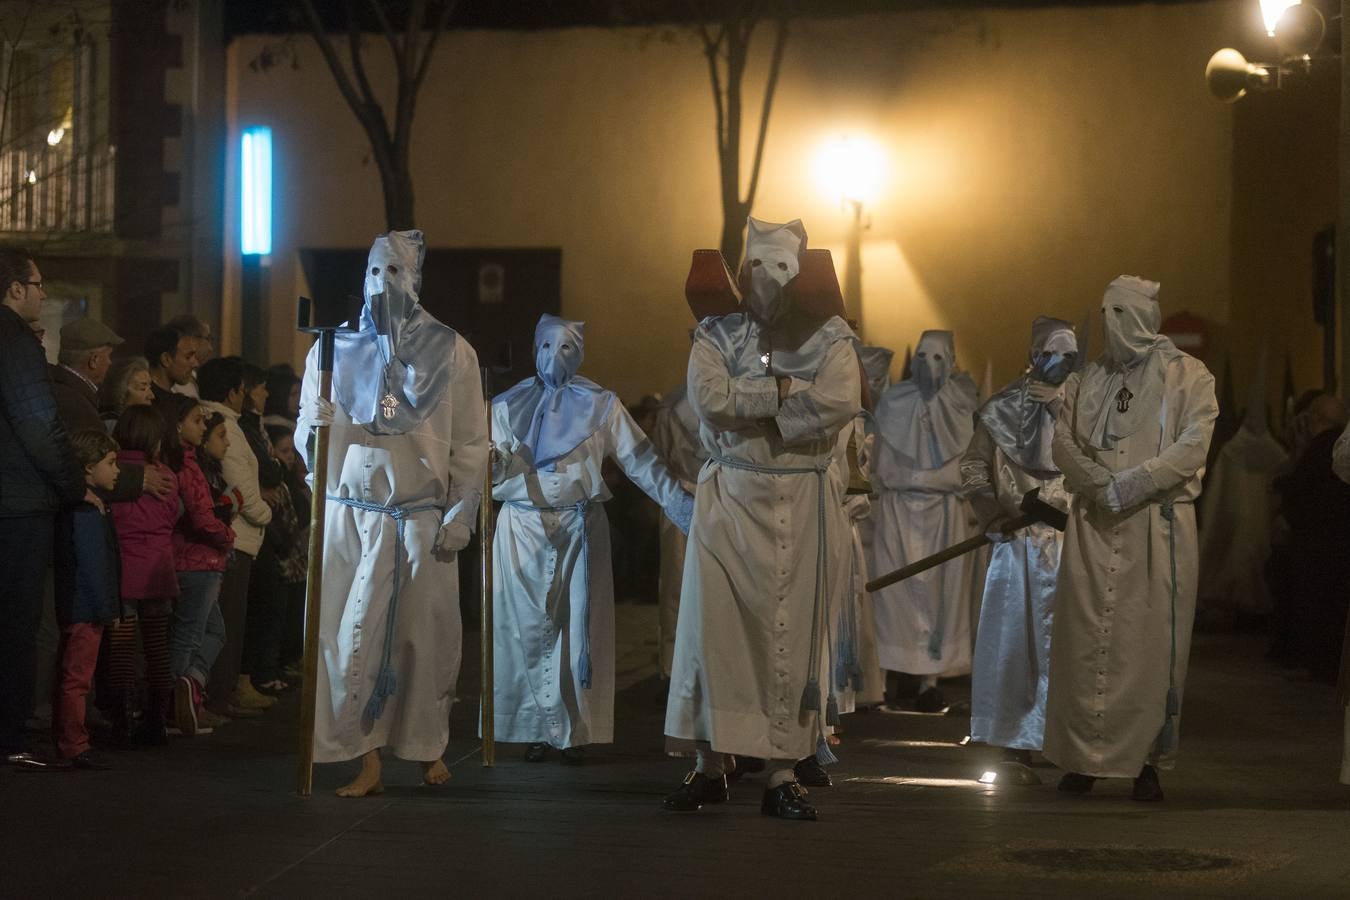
(923, 622)
(439, 464)
(551, 558)
(752, 631)
(1115, 621)
(1010, 673)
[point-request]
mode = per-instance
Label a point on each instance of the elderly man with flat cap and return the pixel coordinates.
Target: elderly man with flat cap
(82, 363)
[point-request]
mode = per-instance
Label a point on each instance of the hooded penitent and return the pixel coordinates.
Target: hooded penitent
(1018, 417)
(557, 409)
(767, 337)
(876, 363)
(936, 391)
(1121, 391)
(391, 374)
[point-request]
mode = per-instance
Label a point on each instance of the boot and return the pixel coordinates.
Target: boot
(119, 712)
(153, 729)
(247, 697)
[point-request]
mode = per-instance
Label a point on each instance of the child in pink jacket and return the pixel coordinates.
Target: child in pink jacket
(149, 585)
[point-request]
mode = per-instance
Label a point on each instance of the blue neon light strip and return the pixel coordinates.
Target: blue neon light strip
(256, 191)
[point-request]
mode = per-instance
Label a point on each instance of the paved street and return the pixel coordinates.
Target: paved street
(1252, 810)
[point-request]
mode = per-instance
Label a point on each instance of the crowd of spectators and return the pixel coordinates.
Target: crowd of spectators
(155, 513)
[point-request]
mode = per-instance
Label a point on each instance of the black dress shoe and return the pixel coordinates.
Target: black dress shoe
(697, 790)
(744, 765)
(931, 701)
(1147, 787)
(1073, 783)
(573, 756)
(787, 801)
(536, 753)
(92, 760)
(811, 773)
(27, 762)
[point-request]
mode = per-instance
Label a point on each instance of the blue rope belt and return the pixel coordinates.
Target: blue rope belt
(811, 694)
(386, 683)
(582, 508)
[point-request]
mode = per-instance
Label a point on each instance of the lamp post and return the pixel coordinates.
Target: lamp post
(850, 169)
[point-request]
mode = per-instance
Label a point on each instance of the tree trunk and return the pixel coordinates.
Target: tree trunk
(733, 233)
(398, 197)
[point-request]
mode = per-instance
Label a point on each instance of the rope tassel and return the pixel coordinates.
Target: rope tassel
(386, 684)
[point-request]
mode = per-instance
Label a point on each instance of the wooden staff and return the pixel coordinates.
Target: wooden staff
(487, 723)
(314, 583)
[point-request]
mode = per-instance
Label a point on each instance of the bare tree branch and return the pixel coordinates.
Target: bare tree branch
(330, 56)
(358, 67)
(378, 8)
(775, 63)
(441, 24)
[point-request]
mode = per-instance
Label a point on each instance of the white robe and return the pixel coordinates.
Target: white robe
(744, 642)
(1114, 627)
(1010, 673)
(440, 463)
(542, 562)
(675, 436)
(923, 623)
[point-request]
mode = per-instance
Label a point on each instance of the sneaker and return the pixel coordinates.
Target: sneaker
(234, 711)
(184, 710)
(208, 721)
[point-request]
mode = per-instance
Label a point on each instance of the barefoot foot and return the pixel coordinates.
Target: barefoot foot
(367, 783)
(435, 772)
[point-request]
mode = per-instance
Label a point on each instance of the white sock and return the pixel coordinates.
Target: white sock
(711, 764)
(781, 776)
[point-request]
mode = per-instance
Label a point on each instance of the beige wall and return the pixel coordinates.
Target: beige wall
(1034, 155)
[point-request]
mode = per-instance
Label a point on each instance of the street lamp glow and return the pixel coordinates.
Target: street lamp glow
(55, 136)
(1271, 10)
(851, 169)
(255, 179)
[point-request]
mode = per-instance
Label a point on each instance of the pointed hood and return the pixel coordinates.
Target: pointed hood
(395, 370)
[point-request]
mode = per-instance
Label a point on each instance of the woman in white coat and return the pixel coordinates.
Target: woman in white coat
(553, 633)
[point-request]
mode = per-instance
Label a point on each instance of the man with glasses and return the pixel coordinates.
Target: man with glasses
(38, 474)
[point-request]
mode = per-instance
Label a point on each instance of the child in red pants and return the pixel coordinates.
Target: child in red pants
(87, 574)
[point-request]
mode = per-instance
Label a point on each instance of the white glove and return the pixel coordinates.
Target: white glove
(452, 538)
(1128, 489)
(995, 533)
(319, 412)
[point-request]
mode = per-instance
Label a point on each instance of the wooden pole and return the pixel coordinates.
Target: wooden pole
(487, 722)
(314, 592)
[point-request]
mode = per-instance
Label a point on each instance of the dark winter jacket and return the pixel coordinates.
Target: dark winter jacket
(38, 471)
(88, 569)
(77, 404)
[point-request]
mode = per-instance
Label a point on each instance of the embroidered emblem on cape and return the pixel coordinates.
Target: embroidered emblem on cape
(1123, 398)
(389, 405)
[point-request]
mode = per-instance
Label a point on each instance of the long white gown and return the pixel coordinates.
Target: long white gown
(550, 553)
(923, 623)
(1114, 626)
(675, 436)
(1010, 673)
(749, 610)
(440, 463)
